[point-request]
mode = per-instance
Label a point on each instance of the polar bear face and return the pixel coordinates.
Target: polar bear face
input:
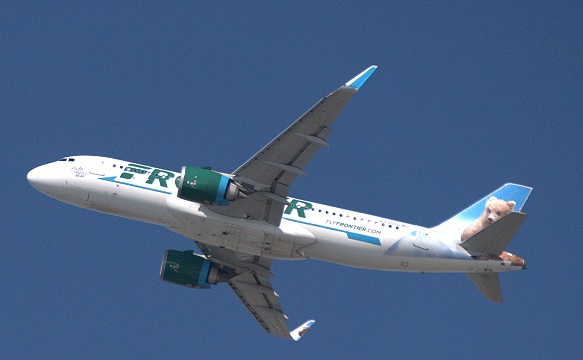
(496, 209)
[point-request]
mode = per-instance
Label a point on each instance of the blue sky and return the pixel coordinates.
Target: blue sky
(466, 98)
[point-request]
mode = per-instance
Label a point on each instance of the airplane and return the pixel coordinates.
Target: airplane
(244, 219)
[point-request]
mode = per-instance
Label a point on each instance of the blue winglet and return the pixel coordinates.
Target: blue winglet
(361, 78)
(301, 330)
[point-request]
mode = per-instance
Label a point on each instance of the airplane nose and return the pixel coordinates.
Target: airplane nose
(45, 180)
(33, 178)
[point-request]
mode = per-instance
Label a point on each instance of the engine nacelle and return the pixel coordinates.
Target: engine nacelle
(188, 269)
(207, 186)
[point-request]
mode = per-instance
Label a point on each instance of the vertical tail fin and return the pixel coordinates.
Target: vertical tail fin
(513, 194)
(481, 233)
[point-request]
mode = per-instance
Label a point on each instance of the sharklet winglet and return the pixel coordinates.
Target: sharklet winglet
(301, 330)
(361, 78)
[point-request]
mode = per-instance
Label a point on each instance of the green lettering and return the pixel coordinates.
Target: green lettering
(300, 206)
(132, 169)
(161, 176)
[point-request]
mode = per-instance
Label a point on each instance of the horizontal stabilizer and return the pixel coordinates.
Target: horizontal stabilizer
(494, 239)
(488, 284)
(301, 330)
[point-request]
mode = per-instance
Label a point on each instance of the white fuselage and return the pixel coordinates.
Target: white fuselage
(307, 230)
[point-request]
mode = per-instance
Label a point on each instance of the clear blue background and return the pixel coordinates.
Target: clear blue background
(466, 98)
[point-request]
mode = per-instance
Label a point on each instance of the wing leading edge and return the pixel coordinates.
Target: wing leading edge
(270, 172)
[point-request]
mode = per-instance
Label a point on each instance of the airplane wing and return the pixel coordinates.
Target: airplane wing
(248, 277)
(270, 172)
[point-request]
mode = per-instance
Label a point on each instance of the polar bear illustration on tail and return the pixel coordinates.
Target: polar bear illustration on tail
(494, 210)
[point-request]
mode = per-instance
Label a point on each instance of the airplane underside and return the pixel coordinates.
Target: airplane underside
(242, 220)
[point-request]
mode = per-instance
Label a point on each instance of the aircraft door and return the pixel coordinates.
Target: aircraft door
(422, 240)
(97, 168)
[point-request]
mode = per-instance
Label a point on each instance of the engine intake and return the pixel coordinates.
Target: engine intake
(188, 269)
(207, 186)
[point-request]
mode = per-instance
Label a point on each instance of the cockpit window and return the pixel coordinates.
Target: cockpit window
(63, 159)
(67, 159)
(71, 159)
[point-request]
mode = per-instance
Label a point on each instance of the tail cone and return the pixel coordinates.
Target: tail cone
(513, 259)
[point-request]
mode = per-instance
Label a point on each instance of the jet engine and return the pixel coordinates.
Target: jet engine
(207, 187)
(188, 269)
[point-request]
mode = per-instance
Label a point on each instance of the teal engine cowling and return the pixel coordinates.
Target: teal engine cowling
(207, 187)
(188, 269)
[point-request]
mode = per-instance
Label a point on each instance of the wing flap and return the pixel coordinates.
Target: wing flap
(254, 292)
(288, 147)
(248, 277)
